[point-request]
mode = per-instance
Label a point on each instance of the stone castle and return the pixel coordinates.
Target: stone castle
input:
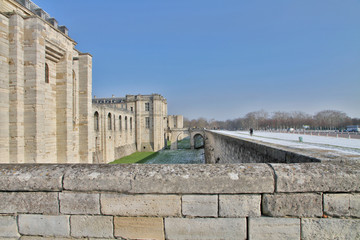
(47, 112)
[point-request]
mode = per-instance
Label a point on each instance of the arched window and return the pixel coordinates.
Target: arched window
(125, 123)
(114, 123)
(96, 121)
(131, 124)
(120, 123)
(47, 73)
(109, 121)
(74, 97)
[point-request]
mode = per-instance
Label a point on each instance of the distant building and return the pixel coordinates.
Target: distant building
(125, 125)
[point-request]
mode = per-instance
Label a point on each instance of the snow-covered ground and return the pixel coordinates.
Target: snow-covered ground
(340, 145)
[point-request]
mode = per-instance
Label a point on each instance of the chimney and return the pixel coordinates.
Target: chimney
(64, 30)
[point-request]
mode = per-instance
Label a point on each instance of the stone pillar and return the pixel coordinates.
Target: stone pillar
(16, 85)
(86, 121)
(34, 77)
(4, 89)
(64, 109)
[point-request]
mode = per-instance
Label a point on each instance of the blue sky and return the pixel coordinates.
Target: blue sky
(221, 58)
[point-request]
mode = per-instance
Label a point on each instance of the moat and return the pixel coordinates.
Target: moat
(183, 155)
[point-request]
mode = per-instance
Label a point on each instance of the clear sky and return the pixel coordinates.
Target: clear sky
(221, 58)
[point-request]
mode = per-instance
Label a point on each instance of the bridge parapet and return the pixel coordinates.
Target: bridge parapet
(226, 201)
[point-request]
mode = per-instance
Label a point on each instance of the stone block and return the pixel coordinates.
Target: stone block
(44, 225)
(8, 227)
(99, 177)
(200, 205)
(49, 238)
(92, 226)
(239, 205)
(31, 177)
(274, 228)
(342, 205)
(205, 228)
(202, 178)
(140, 205)
(292, 204)
(139, 228)
(330, 228)
(79, 203)
(318, 177)
(29, 202)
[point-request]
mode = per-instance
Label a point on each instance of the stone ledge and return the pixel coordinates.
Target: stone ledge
(31, 177)
(318, 177)
(182, 179)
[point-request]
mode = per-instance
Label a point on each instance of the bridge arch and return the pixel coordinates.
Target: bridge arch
(194, 135)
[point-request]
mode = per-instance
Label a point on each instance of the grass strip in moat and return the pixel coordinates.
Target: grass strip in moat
(137, 157)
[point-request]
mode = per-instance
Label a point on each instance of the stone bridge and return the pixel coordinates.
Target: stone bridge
(181, 133)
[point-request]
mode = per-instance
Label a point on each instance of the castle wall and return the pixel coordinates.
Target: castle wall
(207, 201)
(45, 91)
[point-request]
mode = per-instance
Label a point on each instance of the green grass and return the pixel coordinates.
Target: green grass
(137, 157)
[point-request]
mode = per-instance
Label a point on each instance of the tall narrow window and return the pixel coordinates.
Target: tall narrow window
(96, 121)
(74, 97)
(147, 107)
(125, 123)
(147, 122)
(47, 73)
(109, 121)
(114, 123)
(131, 124)
(120, 123)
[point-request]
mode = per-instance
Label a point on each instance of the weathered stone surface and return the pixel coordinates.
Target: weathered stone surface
(99, 177)
(48, 238)
(139, 228)
(8, 227)
(292, 204)
(318, 177)
(92, 226)
(44, 225)
(330, 228)
(341, 205)
(140, 205)
(15, 177)
(205, 228)
(274, 228)
(239, 205)
(29, 202)
(203, 179)
(200, 205)
(79, 203)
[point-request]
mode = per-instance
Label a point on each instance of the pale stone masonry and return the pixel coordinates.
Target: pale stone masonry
(47, 114)
(45, 89)
(115, 201)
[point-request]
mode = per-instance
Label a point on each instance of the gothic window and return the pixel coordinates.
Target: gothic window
(114, 123)
(109, 121)
(131, 124)
(120, 123)
(147, 107)
(47, 73)
(125, 123)
(74, 97)
(147, 122)
(96, 121)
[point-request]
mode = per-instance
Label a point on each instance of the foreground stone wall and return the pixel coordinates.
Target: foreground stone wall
(213, 201)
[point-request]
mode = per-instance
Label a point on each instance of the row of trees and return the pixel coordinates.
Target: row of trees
(324, 120)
